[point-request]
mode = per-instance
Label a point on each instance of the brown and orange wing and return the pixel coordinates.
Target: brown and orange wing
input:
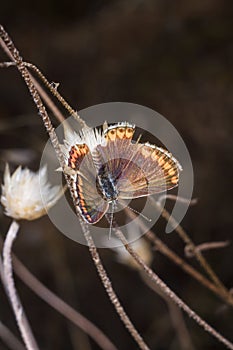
(90, 203)
(138, 169)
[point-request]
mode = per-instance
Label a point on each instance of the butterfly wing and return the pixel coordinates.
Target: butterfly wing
(152, 170)
(89, 201)
(137, 169)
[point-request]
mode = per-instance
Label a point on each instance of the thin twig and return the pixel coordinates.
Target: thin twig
(20, 316)
(168, 292)
(171, 255)
(205, 246)
(53, 89)
(13, 53)
(9, 338)
(187, 240)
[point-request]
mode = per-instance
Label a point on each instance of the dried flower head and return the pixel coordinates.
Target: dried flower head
(22, 193)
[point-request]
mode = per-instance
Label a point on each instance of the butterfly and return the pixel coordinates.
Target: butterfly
(108, 166)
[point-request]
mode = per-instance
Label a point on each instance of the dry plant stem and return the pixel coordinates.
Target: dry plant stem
(52, 89)
(205, 246)
(166, 251)
(170, 294)
(183, 235)
(20, 316)
(13, 53)
(56, 94)
(58, 304)
(9, 338)
(108, 286)
(176, 316)
(62, 307)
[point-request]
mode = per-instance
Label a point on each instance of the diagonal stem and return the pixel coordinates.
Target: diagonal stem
(187, 240)
(13, 53)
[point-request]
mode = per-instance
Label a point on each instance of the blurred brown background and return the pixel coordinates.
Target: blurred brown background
(172, 56)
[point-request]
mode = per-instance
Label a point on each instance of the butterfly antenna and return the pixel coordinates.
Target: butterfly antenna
(137, 212)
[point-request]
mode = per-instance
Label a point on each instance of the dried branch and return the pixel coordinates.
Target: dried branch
(13, 53)
(171, 255)
(187, 240)
(169, 293)
(205, 246)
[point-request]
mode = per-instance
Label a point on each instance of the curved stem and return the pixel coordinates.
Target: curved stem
(20, 316)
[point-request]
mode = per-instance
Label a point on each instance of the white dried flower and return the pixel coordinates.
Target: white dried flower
(22, 193)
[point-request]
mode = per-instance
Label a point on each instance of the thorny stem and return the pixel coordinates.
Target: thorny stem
(13, 53)
(9, 284)
(187, 240)
(168, 292)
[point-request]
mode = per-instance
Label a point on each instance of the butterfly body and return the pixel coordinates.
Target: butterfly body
(106, 184)
(110, 166)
